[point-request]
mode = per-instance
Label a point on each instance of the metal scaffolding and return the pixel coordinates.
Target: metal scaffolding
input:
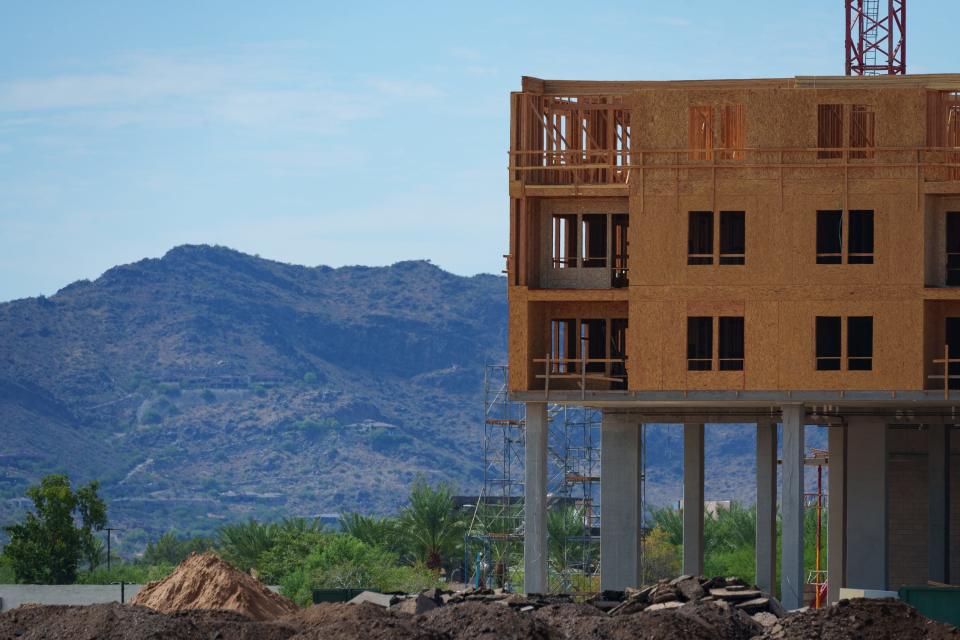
(494, 542)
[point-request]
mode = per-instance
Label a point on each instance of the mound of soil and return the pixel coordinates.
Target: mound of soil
(204, 581)
(222, 623)
(348, 621)
(483, 621)
(861, 618)
(101, 621)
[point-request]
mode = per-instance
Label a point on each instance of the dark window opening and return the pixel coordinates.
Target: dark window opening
(594, 240)
(699, 343)
(862, 131)
(829, 237)
(732, 237)
(828, 343)
(953, 351)
(700, 238)
(565, 246)
(860, 240)
(618, 352)
(859, 343)
(563, 346)
(829, 130)
(731, 344)
(953, 248)
(621, 225)
(593, 342)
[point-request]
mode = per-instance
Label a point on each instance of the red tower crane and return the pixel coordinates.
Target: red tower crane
(876, 37)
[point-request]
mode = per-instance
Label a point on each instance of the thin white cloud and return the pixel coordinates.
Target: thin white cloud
(243, 91)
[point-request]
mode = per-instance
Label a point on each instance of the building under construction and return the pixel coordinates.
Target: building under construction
(775, 251)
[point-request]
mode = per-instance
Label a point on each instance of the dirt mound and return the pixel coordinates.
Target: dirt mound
(483, 621)
(348, 621)
(861, 618)
(101, 621)
(222, 623)
(204, 581)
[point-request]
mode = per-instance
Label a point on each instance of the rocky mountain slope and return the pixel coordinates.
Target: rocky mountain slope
(210, 385)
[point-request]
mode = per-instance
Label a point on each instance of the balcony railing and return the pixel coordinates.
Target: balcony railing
(582, 371)
(946, 361)
(615, 166)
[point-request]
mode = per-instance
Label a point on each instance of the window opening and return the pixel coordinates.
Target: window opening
(699, 343)
(828, 343)
(731, 343)
(859, 343)
(860, 240)
(953, 248)
(565, 248)
(620, 227)
(732, 237)
(829, 237)
(829, 130)
(700, 238)
(618, 352)
(953, 350)
(594, 240)
(563, 346)
(593, 342)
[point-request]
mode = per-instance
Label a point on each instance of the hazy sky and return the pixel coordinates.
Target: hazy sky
(331, 133)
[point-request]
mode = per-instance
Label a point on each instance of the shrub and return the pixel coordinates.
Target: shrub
(310, 378)
(208, 396)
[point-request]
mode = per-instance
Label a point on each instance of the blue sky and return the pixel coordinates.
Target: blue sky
(324, 133)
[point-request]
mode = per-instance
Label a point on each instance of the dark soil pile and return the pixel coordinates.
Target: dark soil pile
(861, 618)
(100, 621)
(483, 621)
(349, 621)
(486, 618)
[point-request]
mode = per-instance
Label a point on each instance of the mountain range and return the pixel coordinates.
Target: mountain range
(210, 385)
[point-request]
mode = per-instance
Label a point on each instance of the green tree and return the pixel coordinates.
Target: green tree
(243, 543)
(434, 529)
(171, 550)
(386, 533)
(48, 545)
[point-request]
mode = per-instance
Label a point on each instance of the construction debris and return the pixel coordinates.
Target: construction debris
(723, 609)
(204, 581)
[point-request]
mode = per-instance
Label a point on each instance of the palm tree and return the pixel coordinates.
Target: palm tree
(382, 532)
(434, 529)
(243, 543)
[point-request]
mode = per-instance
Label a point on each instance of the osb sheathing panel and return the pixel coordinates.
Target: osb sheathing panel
(776, 118)
(780, 290)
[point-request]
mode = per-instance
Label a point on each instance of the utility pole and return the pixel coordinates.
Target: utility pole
(109, 530)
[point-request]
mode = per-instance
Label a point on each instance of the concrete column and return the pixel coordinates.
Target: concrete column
(693, 499)
(866, 503)
(792, 577)
(766, 575)
(620, 456)
(836, 511)
(938, 496)
(535, 500)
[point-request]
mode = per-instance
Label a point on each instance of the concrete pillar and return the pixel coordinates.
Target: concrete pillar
(535, 500)
(620, 457)
(693, 499)
(866, 503)
(938, 496)
(766, 575)
(792, 577)
(836, 511)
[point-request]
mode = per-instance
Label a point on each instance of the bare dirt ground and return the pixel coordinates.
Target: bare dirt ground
(474, 620)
